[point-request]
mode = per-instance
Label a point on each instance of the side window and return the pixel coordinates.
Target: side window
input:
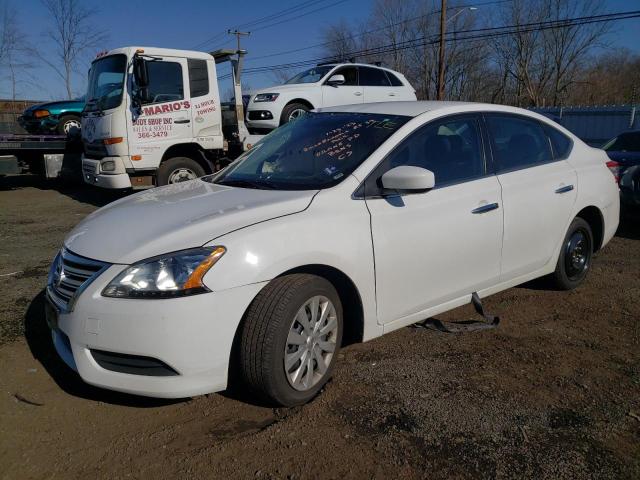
(451, 148)
(350, 75)
(518, 142)
(560, 143)
(395, 81)
(165, 81)
(198, 77)
(373, 77)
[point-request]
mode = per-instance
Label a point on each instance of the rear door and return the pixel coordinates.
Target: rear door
(346, 94)
(377, 86)
(538, 192)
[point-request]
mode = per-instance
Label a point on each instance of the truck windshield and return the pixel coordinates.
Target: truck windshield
(316, 151)
(312, 75)
(106, 83)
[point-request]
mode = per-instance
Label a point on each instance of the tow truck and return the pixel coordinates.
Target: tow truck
(154, 116)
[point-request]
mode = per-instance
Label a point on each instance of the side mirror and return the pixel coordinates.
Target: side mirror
(406, 179)
(336, 80)
(141, 76)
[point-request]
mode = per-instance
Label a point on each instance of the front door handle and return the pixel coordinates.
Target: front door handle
(392, 94)
(565, 189)
(485, 208)
(357, 93)
(182, 121)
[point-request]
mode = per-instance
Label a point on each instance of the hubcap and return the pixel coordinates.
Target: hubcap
(71, 125)
(577, 254)
(311, 343)
(297, 113)
(182, 175)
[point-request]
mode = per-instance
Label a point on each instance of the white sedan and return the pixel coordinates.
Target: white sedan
(342, 226)
(325, 86)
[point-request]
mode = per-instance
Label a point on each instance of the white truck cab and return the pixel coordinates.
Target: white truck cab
(153, 116)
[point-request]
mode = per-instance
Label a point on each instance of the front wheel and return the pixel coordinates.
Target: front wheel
(575, 256)
(68, 125)
(293, 111)
(179, 169)
(290, 339)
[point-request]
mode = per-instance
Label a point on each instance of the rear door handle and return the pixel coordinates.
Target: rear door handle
(357, 93)
(392, 94)
(565, 189)
(485, 208)
(182, 121)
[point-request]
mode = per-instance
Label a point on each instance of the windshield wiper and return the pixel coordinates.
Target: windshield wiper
(261, 185)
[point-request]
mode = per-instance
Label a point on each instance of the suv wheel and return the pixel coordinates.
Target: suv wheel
(292, 112)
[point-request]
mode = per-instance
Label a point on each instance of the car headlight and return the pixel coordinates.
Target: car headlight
(176, 274)
(41, 113)
(266, 97)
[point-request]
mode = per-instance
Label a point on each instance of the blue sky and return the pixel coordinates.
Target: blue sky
(187, 23)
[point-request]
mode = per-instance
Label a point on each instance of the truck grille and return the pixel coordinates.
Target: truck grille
(70, 274)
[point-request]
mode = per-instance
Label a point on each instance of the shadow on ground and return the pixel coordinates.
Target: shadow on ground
(73, 188)
(39, 341)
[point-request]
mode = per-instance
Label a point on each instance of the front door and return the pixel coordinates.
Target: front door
(346, 94)
(164, 120)
(435, 247)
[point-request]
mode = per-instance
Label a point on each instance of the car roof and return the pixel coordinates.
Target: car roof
(350, 64)
(415, 108)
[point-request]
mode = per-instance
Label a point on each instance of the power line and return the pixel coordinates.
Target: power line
(480, 33)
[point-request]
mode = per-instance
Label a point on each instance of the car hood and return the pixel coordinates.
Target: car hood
(176, 217)
(60, 105)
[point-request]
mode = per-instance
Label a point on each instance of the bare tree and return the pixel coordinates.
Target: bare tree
(73, 35)
(340, 41)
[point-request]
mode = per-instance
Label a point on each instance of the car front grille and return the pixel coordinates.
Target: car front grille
(70, 274)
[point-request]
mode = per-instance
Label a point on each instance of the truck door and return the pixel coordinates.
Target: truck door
(166, 118)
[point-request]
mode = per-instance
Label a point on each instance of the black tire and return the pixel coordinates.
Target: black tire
(170, 169)
(572, 270)
(289, 109)
(265, 329)
(66, 125)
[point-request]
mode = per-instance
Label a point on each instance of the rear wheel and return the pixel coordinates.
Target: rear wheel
(179, 169)
(68, 125)
(292, 112)
(290, 339)
(574, 261)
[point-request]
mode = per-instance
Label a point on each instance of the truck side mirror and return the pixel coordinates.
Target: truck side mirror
(141, 76)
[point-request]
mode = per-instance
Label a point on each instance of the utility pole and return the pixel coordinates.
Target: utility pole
(238, 34)
(443, 21)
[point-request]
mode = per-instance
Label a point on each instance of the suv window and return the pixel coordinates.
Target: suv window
(373, 77)
(350, 75)
(560, 143)
(395, 81)
(518, 142)
(198, 77)
(165, 81)
(451, 148)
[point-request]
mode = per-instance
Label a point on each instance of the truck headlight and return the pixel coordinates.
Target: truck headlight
(266, 97)
(173, 275)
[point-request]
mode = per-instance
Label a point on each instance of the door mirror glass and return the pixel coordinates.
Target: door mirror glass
(408, 179)
(336, 80)
(140, 72)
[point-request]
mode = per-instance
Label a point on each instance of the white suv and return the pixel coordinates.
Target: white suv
(325, 86)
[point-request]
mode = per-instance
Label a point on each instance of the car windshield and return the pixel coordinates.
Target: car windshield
(312, 75)
(626, 142)
(106, 83)
(316, 151)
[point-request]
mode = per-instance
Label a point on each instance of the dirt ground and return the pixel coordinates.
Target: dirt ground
(553, 392)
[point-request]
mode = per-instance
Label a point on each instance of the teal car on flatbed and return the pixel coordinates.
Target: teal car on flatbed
(62, 118)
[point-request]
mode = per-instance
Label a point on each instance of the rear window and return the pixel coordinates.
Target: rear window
(198, 77)
(373, 77)
(625, 142)
(560, 143)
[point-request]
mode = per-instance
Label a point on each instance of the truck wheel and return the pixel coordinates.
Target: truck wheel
(68, 125)
(293, 111)
(179, 169)
(575, 256)
(290, 339)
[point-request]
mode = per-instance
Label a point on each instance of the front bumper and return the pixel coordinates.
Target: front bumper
(37, 125)
(191, 335)
(253, 119)
(93, 174)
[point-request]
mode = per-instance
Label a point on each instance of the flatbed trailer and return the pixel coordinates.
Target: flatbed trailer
(49, 155)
